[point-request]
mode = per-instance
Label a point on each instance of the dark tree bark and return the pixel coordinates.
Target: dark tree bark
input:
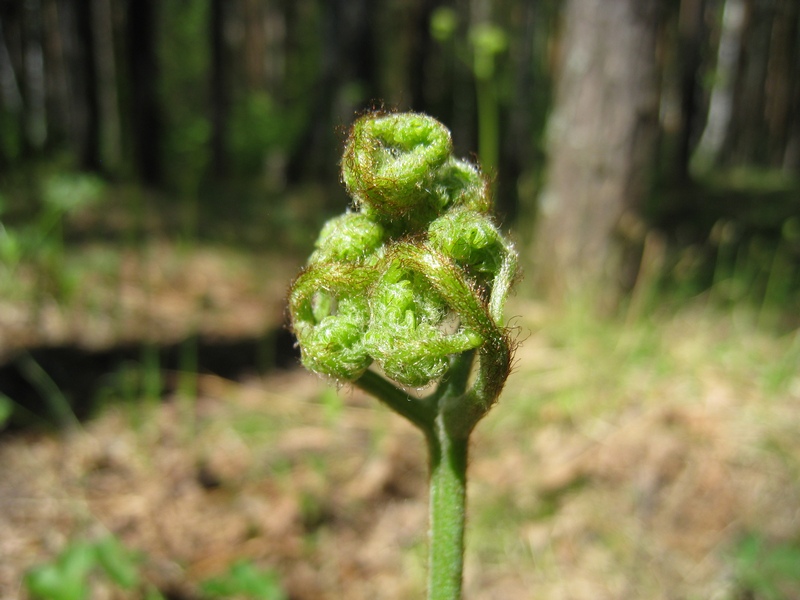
(34, 77)
(59, 115)
(254, 43)
(219, 89)
(690, 46)
(348, 57)
(602, 136)
(791, 155)
(516, 150)
(143, 75)
(109, 139)
(746, 136)
(782, 75)
(723, 94)
(765, 95)
(89, 150)
(11, 99)
(419, 55)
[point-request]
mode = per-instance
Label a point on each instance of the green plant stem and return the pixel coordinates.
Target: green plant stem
(448, 494)
(448, 442)
(419, 412)
(60, 408)
(441, 418)
(488, 128)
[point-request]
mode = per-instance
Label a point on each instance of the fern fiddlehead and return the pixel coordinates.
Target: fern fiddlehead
(413, 280)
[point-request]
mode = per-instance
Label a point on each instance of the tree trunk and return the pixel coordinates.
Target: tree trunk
(11, 100)
(528, 89)
(84, 67)
(602, 136)
(419, 53)
(219, 89)
(746, 135)
(721, 103)
(690, 51)
(781, 79)
(348, 63)
(110, 138)
(143, 73)
(59, 114)
(791, 152)
(35, 93)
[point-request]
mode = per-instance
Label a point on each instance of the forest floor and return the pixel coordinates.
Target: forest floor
(653, 458)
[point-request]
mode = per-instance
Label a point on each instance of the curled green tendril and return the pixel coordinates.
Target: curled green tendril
(460, 183)
(408, 317)
(416, 275)
(349, 237)
(471, 240)
(330, 316)
(399, 169)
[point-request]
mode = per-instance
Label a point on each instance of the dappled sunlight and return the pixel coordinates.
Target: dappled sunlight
(628, 486)
(582, 486)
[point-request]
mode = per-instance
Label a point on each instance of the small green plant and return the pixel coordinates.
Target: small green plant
(10, 250)
(38, 243)
(58, 405)
(62, 195)
(6, 410)
(767, 571)
(244, 580)
(68, 576)
(413, 281)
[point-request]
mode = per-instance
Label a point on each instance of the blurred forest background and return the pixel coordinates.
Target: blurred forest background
(662, 114)
(165, 167)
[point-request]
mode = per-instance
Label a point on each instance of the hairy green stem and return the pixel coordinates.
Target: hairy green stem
(440, 418)
(418, 412)
(448, 494)
(447, 453)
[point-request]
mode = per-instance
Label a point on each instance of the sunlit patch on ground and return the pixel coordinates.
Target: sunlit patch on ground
(622, 461)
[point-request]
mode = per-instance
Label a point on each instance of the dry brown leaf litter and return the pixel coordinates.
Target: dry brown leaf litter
(642, 501)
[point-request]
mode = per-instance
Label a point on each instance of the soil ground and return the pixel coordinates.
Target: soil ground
(623, 461)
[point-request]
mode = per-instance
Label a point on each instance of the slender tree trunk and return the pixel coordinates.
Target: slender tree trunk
(745, 137)
(110, 141)
(602, 136)
(348, 57)
(517, 146)
(782, 75)
(254, 43)
(791, 154)
(85, 66)
(690, 46)
(59, 115)
(143, 72)
(35, 95)
(721, 103)
(219, 88)
(11, 102)
(420, 51)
